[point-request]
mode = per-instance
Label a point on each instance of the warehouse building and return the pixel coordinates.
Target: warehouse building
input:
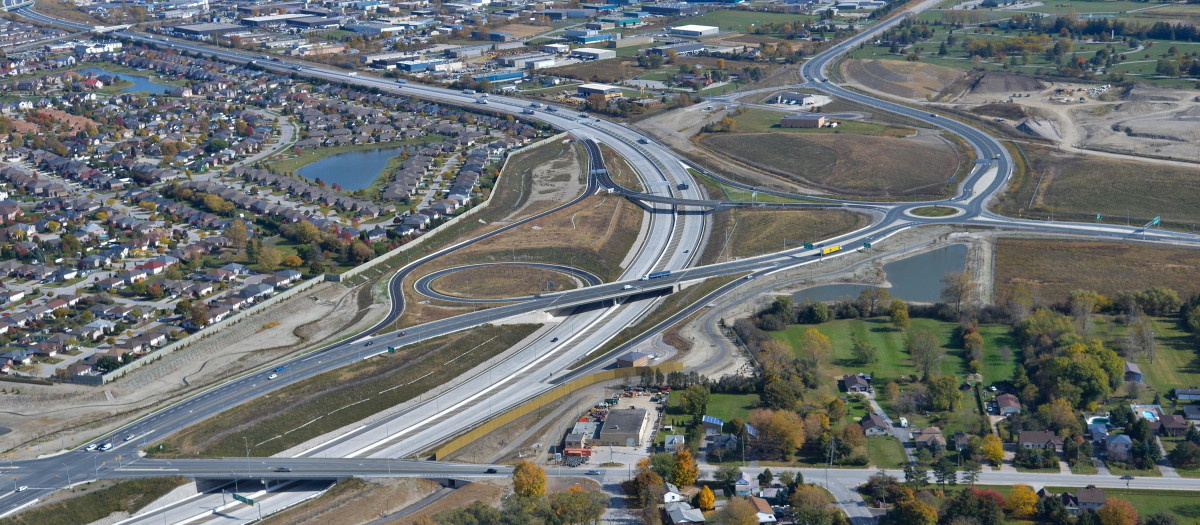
(207, 30)
(680, 48)
(694, 31)
(592, 53)
(561, 49)
(609, 91)
(802, 121)
(623, 428)
(314, 22)
(271, 20)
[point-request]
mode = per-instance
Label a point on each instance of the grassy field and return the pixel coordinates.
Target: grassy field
(722, 406)
(609, 71)
(893, 359)
(491, 282)
(886, 452)
(1176, 362)
(1052, 268)
(741, 21)
(856, 165)
(1077, 188)
(619, 169)
(935, 211)
(331, 400)
(757, 120)
(97, 503)
(759, 231)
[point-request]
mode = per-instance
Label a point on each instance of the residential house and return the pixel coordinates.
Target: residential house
(712, 425)
(928, 436)
(673, 494)
(1173, 425)
(745, 485)
(1008, 404)
(1090, 498)
(874, 425)
(961, 441)
(1187, 394)
(859, 383)
(1133, 374)
(673, 442)
(1191, 412)
(1098, 432)
(1117, 447)
(1039, 439)
(763, 510)
(681, 513)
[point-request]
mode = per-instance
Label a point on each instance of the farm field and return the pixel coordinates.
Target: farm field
(1076, 188)
(1050, 269)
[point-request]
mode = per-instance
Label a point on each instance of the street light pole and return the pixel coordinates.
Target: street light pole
(68, 474)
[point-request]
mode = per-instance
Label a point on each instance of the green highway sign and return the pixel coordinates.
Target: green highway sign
(243, 499)
(866, 245)
(808, 246)
(391, 349)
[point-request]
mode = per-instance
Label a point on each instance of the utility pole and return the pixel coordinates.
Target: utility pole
(68, 474)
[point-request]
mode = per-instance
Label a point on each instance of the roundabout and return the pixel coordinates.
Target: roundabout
(525, 276)
(939, 211)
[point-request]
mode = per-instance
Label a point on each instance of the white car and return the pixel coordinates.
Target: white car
(92, 447)
(106, 447)
(272, 376)
(21, 488)
(129, 437)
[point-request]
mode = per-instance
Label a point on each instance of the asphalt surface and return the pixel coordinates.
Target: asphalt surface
(677, 228)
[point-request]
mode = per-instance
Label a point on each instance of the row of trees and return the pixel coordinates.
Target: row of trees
(529, 504)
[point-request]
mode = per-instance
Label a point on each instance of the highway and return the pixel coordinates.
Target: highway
(676, 232)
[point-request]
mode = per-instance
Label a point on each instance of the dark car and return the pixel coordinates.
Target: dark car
(490, 471)
(283, 469)
(555, 340)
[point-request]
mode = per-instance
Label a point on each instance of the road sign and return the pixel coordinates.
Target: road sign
(243, 499)
(866, 245)
(808, 246)
(1155, 221)
(391, 349)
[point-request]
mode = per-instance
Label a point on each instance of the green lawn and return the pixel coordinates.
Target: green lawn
(1175, 362)
(1180, 503)
(757, 120)
(886, 452)
(1120, 471)
(722, 406)
(893, 359)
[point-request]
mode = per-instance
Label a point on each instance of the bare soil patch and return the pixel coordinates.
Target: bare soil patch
(496, 282)
(1002, 110)
(846, 164)
(1002, 83)
(910, 80)
(522, 30)
(1050, 269)
(486, 491)
(356, 500)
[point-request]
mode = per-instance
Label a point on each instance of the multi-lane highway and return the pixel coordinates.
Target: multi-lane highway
(670, 244)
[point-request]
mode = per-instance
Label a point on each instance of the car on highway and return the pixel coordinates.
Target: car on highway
(130, 437)
(279, 368)
(554, 340)
(283, 469)
(490, 471)
(682, 186)
(933, 114)
(272, 376)
(593, 472)
(22, 488)
(92, 447)
(369, 343)
(106, 447)
(643, 140)
(403, 333)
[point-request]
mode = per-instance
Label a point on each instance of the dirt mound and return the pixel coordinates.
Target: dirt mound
(1141, 93)
(1040, 127)
(1006, 111)
(912, 80)
(1000, 82)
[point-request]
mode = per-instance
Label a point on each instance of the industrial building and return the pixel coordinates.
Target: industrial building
(561, 49)
(632, 359)
(502, 76)
(623, 428)
(592, 53)
(271, 20)
(694, 31)
(672, 9)
(802, 121)
(207, 30)
(609, 91)
(680, 48)
(314, 22)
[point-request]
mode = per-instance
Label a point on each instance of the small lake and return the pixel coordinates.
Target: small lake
(140, 84)
(352, 170)
(917, 278)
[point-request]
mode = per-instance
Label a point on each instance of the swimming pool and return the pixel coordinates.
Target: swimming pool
(1098, 420)
(1149, 415)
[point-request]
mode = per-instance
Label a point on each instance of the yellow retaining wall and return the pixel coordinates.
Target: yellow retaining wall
(542, 400)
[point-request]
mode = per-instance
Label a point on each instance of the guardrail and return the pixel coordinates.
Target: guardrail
(542, 400)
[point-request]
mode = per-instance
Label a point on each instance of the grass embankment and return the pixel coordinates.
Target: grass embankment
(858, 158)
(1076, 188)
(886, 452)
(759, 231)
(670, 306)
(1050, 269)
(331, 400)
(619, 169)
(96, 504)
(934, 211)
(499, 282)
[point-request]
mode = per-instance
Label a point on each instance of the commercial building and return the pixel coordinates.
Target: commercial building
(502, 76)
(694, 30)
(314, 22)
(591, 53)
(680, 48)
(561, 49)
(623, 427)
(609, 91)
(632, 359)
(671, 9)
(802, 121)
(271, 20)
(203, 30)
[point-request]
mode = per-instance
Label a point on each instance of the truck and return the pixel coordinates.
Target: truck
(468, 91)
(527, 111)
(481, 100)
(401, 81)
(352, 74)
(655, 275)
(830, 249)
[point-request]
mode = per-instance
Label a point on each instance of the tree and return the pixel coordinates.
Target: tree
(727, 476)
(236, 233)
(1185, 455)
(956, 288)
(993, 449)
(198, 314)
(814, 347)
(971, 471)
(810, 506)
(573, 506)
(706, 499)
(694, 400)
(765, 478)
(646, 488)
(739, 511)
(1117, 511)
(945, 472)
(908, 510)
(899, 314)
(1161, 518)
(686, 470)
(529, 480)
(1022, 501)
(292, 261)
(864, 353)
(269, 258)
(944, 393)
(926, 352)
(108, 363)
